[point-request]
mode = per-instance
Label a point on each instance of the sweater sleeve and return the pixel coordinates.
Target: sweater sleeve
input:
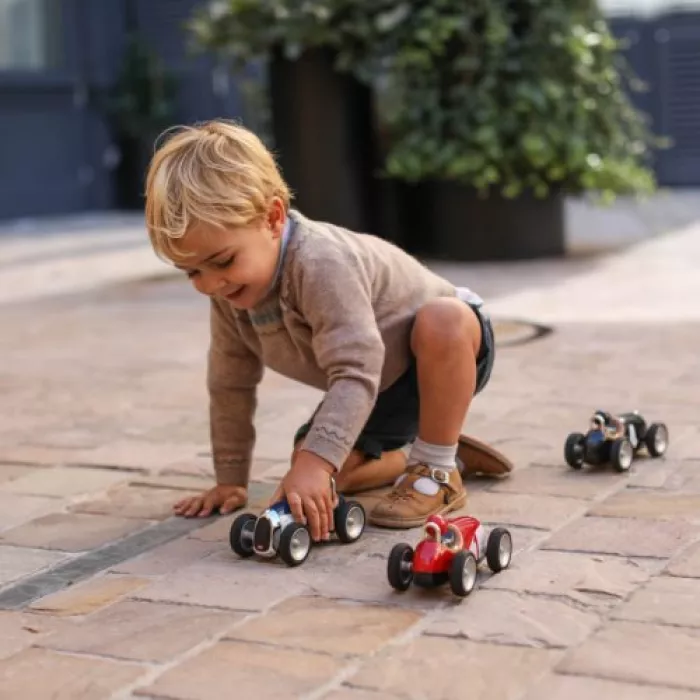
(334, 296)
(233, 374)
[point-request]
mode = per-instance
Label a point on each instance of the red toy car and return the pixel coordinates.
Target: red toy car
(449, 551)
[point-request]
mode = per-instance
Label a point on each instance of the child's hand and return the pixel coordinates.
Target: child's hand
(307, 488)
(225, 498)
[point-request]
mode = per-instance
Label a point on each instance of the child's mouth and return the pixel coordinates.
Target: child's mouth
(235, 293)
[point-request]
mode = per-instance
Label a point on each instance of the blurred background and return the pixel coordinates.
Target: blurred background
(86, 87)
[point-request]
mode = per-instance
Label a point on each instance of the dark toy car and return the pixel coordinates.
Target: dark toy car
(276, 532)
(450, 551)
(615, 440)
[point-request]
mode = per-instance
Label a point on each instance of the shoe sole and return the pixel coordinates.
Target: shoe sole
(480, 458)
(407, 523)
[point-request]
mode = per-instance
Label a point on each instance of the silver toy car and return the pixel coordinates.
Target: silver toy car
(276, 532)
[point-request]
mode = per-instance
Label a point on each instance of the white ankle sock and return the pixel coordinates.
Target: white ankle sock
(442, 456)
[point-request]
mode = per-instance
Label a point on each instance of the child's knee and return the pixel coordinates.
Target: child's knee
(444, 323)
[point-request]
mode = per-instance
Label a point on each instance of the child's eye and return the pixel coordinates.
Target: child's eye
(223, 264)
(192, 273)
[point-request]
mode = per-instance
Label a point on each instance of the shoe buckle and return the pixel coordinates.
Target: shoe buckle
(440, 476)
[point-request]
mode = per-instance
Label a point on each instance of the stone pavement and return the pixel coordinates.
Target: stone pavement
(103, 426)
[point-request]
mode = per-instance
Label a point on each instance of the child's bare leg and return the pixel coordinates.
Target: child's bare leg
(360, 473)
(445, 340)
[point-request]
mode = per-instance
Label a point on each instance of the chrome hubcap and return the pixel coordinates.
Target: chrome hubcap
(661, 439)
(626, 455)
(299, 544)
(469, 574)
(355, 522)
(505, 549)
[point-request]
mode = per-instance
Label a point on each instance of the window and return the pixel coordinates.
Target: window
(30, 34)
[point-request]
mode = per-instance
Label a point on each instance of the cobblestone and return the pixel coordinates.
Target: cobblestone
(104, 425)
(439, 667)
(252, 669)
(89, 596)
(633, 652)
(506, 617)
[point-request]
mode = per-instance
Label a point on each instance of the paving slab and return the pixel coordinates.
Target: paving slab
(328, 626)
(247, 668)
(21, 630)
(71, 532)
(508, 617)
(631, 652)
(64, 482)
(41, 674)
(686, 563)
(88, 596)
(591, 580)
(142, 631)
(664, 600)
(439, 667)
(628, 537)
(18, 562)
(562, 687)
(103, 426)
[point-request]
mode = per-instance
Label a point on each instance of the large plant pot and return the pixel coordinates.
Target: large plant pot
(324, 139)
(449, 221)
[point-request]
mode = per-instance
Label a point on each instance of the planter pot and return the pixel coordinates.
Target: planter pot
(324, 139)
(449, 221)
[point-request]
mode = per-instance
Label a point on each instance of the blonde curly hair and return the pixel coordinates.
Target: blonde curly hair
(215, 172)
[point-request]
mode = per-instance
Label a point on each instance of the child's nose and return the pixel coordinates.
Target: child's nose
(211, 283)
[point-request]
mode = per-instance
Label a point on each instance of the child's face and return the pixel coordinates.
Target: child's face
(236, 264)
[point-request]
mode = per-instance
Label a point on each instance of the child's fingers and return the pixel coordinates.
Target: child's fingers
(210, 502)
(314, 518)
(295, 505)
(322, 506)
(182, 505)
(231, 504)
(330, 507)
(193, 507)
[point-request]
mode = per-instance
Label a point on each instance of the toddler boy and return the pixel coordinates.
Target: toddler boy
(398, 350)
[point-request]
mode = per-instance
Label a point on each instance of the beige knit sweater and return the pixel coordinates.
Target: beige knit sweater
(338, 319)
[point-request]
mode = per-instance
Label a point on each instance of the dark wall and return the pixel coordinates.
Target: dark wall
(56, 150)
(665, 53)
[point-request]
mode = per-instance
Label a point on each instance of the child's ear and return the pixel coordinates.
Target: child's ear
(276, 218)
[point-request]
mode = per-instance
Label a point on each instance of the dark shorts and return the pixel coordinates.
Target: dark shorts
(393, 421)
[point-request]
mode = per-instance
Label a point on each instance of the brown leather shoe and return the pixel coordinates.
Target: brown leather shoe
(479, 458)
(405, 507)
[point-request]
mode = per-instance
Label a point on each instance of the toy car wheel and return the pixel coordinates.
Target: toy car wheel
(499, 549)
(656, 439)
(241, 534)
(463, 573)
(622, 454)
(349, 520)
(574, 450)
(295, 544)
(400, 566)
